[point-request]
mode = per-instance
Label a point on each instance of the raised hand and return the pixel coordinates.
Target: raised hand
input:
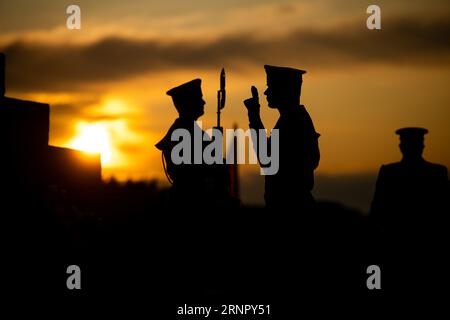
(252, 104)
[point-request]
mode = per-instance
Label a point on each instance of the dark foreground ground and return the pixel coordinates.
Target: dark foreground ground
(137, 255)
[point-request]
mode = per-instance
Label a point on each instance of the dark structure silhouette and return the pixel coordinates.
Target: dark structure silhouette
(412, 191)
(43, 191)
(193, 185)
(27, 160)
(298, 150)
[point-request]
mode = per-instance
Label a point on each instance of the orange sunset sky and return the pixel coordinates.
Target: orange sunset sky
(106, 83)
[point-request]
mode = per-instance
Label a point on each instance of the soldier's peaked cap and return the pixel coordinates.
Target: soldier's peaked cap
(191, 88)
(411, 133)
(283, 73)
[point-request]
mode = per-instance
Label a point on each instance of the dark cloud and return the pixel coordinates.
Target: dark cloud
(131, 148)
(71, 110)
(66, 110)
(409, 41)
(83, 109)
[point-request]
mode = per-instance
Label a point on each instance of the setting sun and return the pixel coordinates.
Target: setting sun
(93, 138)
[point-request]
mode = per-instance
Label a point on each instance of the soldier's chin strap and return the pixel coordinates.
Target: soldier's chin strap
(165, 168)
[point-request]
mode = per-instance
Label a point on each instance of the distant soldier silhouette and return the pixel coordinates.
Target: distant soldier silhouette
(412, 190)
(299, 152)
(193, 185)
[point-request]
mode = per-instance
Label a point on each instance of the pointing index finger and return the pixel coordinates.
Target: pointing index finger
(255, 93)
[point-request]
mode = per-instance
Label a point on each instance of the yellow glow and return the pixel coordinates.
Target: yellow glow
(93, 138)
(116, 107)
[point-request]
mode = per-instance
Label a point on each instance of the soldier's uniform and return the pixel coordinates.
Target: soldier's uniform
(409, 211)
(193, 185)
(299, 152)
(412, 190)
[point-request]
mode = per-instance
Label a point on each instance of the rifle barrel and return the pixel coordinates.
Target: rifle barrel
(221, 96)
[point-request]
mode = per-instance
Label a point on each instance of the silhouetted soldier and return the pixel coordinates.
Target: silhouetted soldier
(193, 185)
(408, 208)
(299, 153)
(412, 190)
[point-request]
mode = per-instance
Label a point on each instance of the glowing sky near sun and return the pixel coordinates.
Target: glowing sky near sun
(106, 83)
